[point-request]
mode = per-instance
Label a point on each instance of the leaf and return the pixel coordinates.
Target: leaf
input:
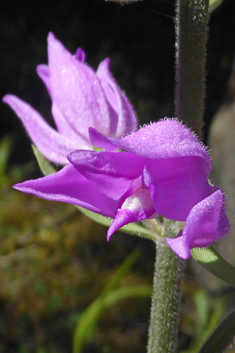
(86, 327)
(131, 228)
(5, 149)
(221, 337)
(212, 261)
(87, 323)
(213, 4)
(44, 165)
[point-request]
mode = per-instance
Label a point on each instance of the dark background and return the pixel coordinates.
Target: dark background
(139, 39)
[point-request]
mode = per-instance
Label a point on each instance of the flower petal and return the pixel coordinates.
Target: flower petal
(61, 123)
(111, 172)
(176, 181)
(126, 120)
(51, 144)
(207, 222)
(160, 140)
(66, 130)
(44, 74)
(80, 55)
(135, 208)
(99, 140)
(69, 186)
(76, 90)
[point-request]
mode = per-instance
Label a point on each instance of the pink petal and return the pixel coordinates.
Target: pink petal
(61, 123)
(51, 144)
(99, 140)
(44, 74)
(176, 185)
(80, 55)
(69, 186)
(76, 90)
(160, 140)
(126, 120)
(136, 207)
(207, 222)
(111, 172)
(66, 130)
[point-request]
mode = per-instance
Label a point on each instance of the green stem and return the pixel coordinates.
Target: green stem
(191, 36)
(163, 328)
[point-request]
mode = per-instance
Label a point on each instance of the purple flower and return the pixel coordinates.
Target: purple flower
(161, 169)
(80, 98)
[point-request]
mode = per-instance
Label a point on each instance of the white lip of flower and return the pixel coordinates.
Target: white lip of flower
(140, 199)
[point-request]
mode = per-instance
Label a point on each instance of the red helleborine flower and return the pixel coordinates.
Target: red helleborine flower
(161, 169)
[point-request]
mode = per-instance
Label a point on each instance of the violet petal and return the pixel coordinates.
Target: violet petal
(111, 172)
(76, 90)
(160, 140)
(176, 181)
(80, 55)
(66, 130)
(51, 144)
(44, 74)
(207, 222)
(69, 186)
(126, 121)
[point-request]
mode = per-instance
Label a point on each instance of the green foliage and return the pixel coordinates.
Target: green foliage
(222, 339)
(87, 322)
(5, 148)
(213, 4)
(45, 166)
(208, 314)
(215, 263)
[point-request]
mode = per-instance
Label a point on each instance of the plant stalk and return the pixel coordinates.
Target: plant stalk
(191, 37)
(163, 328)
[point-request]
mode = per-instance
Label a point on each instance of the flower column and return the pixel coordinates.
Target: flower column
(191, 35)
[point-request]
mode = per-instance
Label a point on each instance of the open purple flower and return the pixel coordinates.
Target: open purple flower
(161, 169)
(81, 98)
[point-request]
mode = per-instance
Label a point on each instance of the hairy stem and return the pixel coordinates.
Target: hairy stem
(163, 329)
(191, 37)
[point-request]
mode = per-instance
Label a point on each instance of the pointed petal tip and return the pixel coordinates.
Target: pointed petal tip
(51, 36)
(109, 234)
(19, 187)
(80, 55)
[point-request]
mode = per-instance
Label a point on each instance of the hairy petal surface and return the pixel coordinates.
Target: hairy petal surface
(69, 186)
(52, 145)
(163, 139)
(111, 172)
(207, 222)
